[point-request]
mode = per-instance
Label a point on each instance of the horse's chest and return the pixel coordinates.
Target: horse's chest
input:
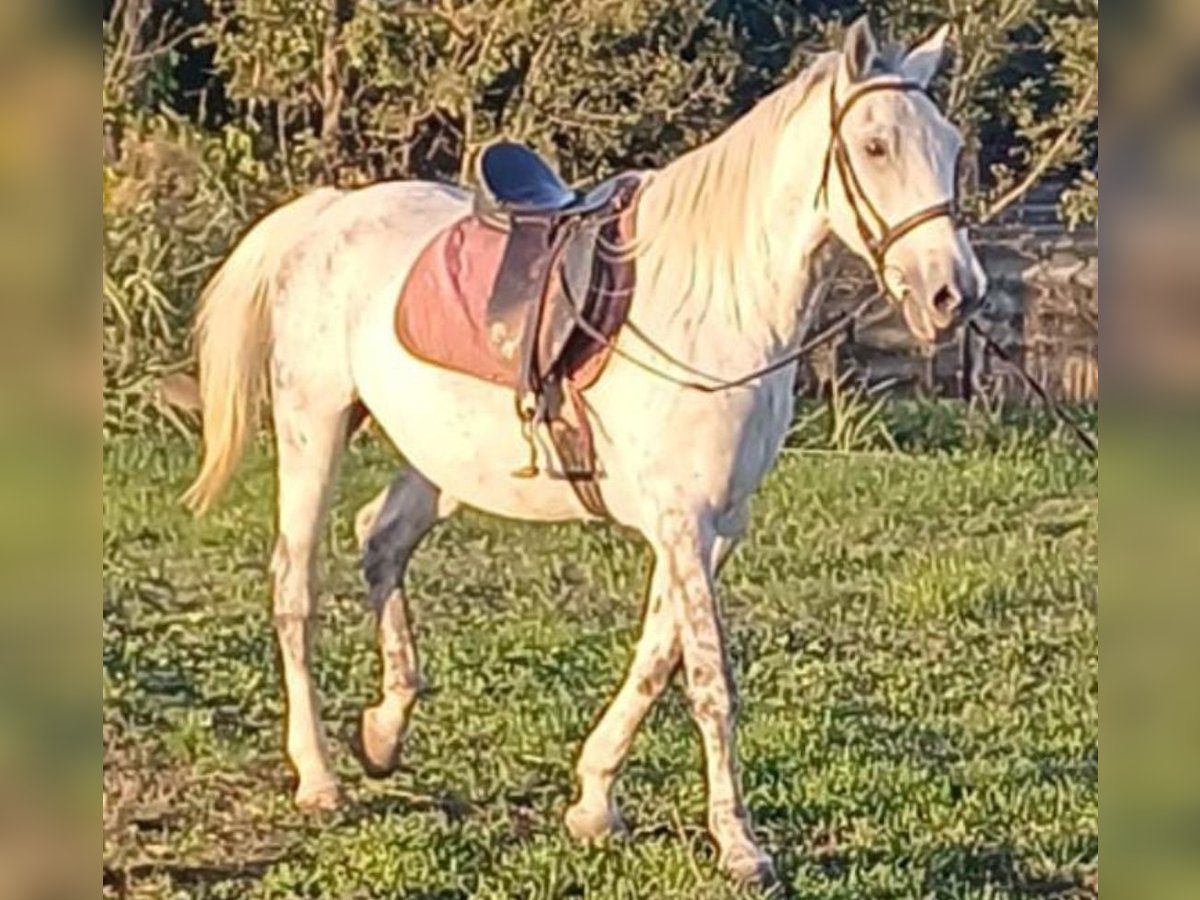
(717, 445)
(762, 425)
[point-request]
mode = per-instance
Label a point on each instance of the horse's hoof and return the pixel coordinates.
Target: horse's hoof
(749, 867)
(379, 757)
(588, 826)
(323, 797)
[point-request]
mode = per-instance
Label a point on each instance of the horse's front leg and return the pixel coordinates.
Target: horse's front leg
(655, 659)
(712, 695)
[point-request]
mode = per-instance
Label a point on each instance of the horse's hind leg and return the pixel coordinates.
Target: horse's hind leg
(368, 515)
(310, 441)
(410, 509)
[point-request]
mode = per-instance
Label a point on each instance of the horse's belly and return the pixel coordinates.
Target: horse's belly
(461, 432)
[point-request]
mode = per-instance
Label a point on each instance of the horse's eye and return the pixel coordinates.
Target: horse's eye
(876, 148)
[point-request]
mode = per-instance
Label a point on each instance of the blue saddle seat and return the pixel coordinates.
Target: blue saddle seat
(520, 181)
(553, 270)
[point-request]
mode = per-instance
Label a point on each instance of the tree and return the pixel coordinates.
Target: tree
(359, 91)
(216, 110)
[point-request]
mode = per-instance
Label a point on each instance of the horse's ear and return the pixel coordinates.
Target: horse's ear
(921, 62)
(859, 50)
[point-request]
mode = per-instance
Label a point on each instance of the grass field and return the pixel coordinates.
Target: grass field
(915, 636)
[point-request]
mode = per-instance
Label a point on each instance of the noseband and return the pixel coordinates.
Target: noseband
(839, 155)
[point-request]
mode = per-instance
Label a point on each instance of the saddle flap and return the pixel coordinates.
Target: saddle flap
(569, 293)
(578, 263)
(525, 267)
(502, 297)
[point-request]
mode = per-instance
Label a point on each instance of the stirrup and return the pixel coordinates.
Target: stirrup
(526, 415)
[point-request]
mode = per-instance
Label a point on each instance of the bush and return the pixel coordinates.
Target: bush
(217, 110)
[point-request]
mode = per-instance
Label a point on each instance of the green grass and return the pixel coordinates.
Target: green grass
(914, 634)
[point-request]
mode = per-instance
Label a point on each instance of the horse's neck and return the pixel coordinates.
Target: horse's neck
(732, 236)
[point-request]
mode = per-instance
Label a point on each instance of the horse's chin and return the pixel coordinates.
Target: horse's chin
(923, 322)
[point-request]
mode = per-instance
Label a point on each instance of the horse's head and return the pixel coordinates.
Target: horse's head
(889, 181)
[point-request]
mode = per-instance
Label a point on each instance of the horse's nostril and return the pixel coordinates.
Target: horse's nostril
(945, 301)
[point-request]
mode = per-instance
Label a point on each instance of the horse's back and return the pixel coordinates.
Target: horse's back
(353, 253)
(396, 204)
(377, 229)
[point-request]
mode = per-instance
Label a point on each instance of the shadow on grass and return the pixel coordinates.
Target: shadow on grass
(946, 870)
(1001, 866)
(191, 875)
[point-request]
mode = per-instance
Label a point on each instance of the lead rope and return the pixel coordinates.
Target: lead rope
(839, 325)
(716, 384)
(1087, 440)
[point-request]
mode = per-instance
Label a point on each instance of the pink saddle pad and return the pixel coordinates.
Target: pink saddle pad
(440, 314)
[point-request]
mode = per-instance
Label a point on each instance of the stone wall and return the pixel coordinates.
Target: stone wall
(1042, 307)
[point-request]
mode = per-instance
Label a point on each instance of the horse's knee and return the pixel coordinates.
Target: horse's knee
(654, 680)
(291, 575)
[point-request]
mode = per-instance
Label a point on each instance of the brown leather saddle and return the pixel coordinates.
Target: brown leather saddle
(528, 291)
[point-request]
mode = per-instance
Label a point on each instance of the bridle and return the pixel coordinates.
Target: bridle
(880, 238)
(888, 235)
(837, 154)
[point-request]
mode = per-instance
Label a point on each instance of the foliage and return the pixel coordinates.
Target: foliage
(354, 93)
(850, 419)
(204, 185)
(217, 110)
(915, 636)
(1020, 84)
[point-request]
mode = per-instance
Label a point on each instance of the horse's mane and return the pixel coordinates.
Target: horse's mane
(709, 230)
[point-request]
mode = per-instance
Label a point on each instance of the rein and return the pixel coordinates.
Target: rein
(842, 323)
(838, 155)
(715, 384)
(1087, 440)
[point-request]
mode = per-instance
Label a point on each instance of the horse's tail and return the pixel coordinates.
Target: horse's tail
(233, 338)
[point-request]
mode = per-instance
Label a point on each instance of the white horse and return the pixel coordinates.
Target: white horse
(728, 236)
